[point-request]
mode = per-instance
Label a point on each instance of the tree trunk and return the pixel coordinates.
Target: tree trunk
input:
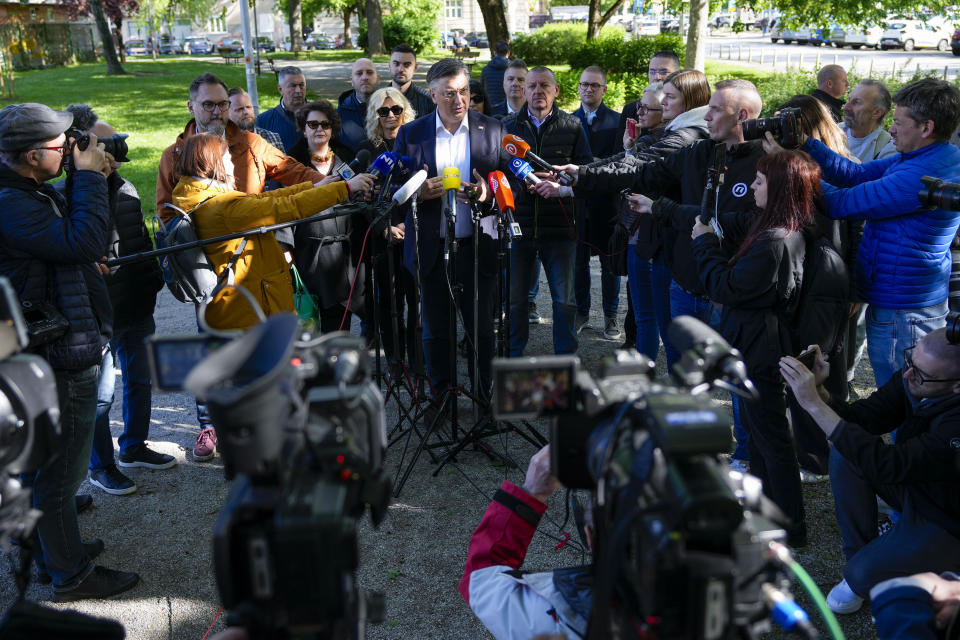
(295, 20)
(375, 44)
(494, 21)
(109, 49)
(697, 34)
(118, 37)
(347, 35)
(596, 19)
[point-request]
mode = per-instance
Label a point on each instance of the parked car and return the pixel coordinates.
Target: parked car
(648, 26)
(169, 45)
(138, 48)
(911, 34)
(478, 39)
(230, 46)
(197, 45)
(265, 43)
(789, 36)
(855, 37)
(955, 43)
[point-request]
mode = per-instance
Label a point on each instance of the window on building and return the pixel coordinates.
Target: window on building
(453, 8)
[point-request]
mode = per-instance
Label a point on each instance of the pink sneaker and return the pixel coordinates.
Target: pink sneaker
(206, 445)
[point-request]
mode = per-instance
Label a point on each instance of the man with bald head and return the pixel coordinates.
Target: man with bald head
(832, 86)
(918, 474)
(353, 103)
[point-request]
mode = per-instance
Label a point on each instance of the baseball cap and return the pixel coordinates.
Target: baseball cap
(24, 125)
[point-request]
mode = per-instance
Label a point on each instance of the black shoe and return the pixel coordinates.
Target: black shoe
(142, 456)
(112, 481)
(93, 549)
(84, 502)
(101, 583)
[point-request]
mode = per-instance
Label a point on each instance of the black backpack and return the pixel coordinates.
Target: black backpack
(819, 312)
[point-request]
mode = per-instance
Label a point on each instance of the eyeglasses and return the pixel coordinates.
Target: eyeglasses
(476, 99)
(209, 106)
(323, 124)
(591, 85)
(658, 72)
(918, 374)
(450, 95)
(396, 110)
(62, 149)
(643, 109)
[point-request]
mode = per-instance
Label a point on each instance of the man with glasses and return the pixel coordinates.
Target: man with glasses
(292, 86)
(662, 64)
(919, 475)
(49, 247)
(453, 136)
(593, 224)
(254, 159)
(403, 64)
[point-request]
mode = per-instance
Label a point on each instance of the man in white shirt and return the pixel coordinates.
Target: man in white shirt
(863, 116)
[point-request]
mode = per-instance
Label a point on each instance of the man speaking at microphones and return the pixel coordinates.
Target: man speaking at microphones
(548, 226)
(453, 137)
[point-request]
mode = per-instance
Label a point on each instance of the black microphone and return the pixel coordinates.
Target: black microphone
(360, 163)
(706, 357)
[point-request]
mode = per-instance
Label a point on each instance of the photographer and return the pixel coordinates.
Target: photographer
(918, 475)
(511, 603)
(903, 262)
(49, 246)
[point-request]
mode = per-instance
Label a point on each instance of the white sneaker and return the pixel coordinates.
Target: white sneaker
(843, 600)
(809, 477)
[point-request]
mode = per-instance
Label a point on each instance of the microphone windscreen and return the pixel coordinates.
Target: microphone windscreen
(410, 187)
(515, 145)
(520, 168)
(361, 161)
(686, 332)
(451, 178)
(501, 191)
(384, 164)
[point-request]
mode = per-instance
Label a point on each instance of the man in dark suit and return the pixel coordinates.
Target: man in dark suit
(593, 226)
(452, 136)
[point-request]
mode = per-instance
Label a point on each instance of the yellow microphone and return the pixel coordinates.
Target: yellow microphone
(451, 184)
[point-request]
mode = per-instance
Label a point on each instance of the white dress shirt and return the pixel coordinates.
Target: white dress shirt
(453, 150)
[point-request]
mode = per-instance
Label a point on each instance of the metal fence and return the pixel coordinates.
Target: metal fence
(36, 46)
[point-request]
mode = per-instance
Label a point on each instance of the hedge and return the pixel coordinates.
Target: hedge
(417, 31)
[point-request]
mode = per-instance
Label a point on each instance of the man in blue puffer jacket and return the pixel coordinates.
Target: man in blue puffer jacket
(49, 247)
(903, 264)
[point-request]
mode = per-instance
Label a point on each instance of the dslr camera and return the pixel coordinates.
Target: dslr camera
(115, 145)
(785, 127)
(302, 432)
(938, 194)
(683, 543)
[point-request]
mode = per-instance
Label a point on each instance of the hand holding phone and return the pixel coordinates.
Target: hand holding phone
(631, 127)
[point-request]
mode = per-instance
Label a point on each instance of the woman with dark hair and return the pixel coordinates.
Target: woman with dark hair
(478, 98)
(206, 188)
(753, 275)
(322, 249)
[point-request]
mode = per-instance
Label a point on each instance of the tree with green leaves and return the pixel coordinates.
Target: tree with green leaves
(375, 44)
(600, 13)
(495, 21)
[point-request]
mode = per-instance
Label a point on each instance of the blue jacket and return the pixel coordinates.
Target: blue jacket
(48, 250)
(491, 79)
(353, 121)
(903, 608)
(904, 256)
(281, 122)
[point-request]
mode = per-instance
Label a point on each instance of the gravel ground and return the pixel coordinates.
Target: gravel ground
(163, 531)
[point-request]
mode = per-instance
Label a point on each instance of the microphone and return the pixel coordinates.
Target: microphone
(410, 187)
(518, 147)
(383, 166)
(706, 357)
(504, 196)
(451, 184)
(523, 171)
(359, 163)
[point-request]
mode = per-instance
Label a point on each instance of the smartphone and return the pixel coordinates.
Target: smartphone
(808, 358)
(631, 127)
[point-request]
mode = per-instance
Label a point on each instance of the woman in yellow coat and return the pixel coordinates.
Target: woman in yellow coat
(206, 188)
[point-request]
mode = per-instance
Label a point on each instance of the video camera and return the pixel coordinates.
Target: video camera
(683, 543)
(302, 431)
(938, 194)
(785, 127)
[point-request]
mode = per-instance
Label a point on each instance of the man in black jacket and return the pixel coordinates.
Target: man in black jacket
(918, 474)
(549, 226)
(832, 86)
(491, 78)
(353, 104)
(49, 245)
(403, 64)
(594, 222)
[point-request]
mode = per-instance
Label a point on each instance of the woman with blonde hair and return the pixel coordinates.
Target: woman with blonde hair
(816, 122)
(388, 110)
(206, 188)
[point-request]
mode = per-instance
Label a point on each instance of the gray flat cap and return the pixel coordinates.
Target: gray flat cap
(24, 125)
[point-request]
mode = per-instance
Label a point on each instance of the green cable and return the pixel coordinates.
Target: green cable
(811, 588)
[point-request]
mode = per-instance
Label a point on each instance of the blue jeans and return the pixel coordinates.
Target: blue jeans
(609, 285)
(912, 545)
(535, 277)
(55, 485)
(131, 352)
(890, 331)
(650, 293)
(685, 304)
(557, 257)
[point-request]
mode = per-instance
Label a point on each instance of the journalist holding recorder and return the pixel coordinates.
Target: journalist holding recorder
(206, 187)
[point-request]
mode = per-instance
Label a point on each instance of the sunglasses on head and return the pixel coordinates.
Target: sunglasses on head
(323, 124)
(396, 110)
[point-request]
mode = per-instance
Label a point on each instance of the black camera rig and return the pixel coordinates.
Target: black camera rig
(785, 127)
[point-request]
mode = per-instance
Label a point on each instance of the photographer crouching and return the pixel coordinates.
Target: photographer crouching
(48, 250)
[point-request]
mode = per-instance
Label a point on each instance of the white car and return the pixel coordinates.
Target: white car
(912, 34)
(855, 37)
(648, 26)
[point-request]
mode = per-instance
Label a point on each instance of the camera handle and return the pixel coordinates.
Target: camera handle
(715, 179)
